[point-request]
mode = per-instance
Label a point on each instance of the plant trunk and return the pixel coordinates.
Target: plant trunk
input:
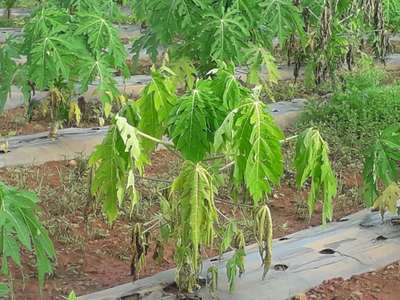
(53, 130)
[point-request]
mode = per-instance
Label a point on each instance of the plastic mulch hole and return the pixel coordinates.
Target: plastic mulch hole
(214, 259)
(327, 251)
(131, 297)
(381, 238)
(281, 267)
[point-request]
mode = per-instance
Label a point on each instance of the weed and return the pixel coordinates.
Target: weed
(353, 119)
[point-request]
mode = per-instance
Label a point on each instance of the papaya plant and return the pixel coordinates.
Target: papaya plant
(219, 128)
(20, 228)
(381, 171)
(9, 4)
(207, 31)
(66, 50)
(317, 34)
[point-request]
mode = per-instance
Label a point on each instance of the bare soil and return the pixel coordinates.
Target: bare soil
(95, 256)
(13, 122)
(383, 284)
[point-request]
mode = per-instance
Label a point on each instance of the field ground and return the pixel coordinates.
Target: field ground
(382, 284)
(95, 256)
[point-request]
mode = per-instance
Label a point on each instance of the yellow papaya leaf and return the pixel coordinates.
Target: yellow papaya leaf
(387, 201)
(74, 112)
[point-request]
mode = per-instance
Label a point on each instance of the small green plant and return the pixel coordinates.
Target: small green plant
(72, 296)
(20, 229)
(364, 76)
(392, 14)
(220, 129)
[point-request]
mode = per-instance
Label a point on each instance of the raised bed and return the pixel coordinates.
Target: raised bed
(127, 32)
(94, 257)
(136, 83)
(72, 142)
(358, 243)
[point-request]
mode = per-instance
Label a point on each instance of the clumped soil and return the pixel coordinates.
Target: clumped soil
(383, 284)
(92, 255)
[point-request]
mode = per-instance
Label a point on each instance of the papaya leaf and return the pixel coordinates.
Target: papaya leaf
(20, 228)
(381, 163)
(228, 88)
(4, 290)
(99, 68)
(194, 121)
(8, 69)
(102, 36)
(154, 106)
(113, 162)
(263, 234)
(229, 33)
(312, 162)
(192, 195)
(110, 164)
(284, 19)
(258, 57)
(235, 265)
(387, 201)
(49, 60)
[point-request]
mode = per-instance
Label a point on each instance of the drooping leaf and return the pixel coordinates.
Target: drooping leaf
(193, 204)
(263, 233)
(259, 58)
(235, 265)
(212, 274)
(110, 162)
(113, 163)
(131, 140)
(74, 112)
(254, 143)
(312, 162)
(388, 200)
(264, 163)
(381, 164)
(229, 234)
